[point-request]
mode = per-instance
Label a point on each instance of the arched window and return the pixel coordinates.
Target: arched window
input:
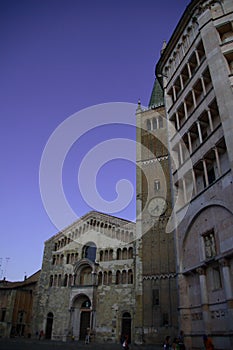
(130, 253)
(110, 254)
(100, 278)
(101, 255)
(105, 278)
(148, 124)
(70, 280)
(106, 255)
(109, 277)
(157, 185)
(86, 276)
(118, 277)
(124, 254)
(131, 236)
(59, 280)
(160, 122)
(51, 281)
(86, 304)
(65, 280)
(130, 277)
(154, 120)
(75, 279)
(118, 254)
(89, 251)
(55, 281)
(124, 277)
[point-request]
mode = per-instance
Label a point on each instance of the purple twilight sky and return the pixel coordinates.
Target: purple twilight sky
(57, 58)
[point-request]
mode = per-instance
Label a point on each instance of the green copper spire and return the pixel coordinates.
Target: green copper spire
(156, 98)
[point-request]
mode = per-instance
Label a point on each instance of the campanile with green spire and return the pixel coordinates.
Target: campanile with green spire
(158, 267)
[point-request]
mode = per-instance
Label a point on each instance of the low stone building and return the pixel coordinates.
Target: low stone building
(88, 281)
(16, 300)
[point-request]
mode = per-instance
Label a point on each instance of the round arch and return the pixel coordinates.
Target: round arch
(89, 251)
(213, 217)
(81, 315)
(49, 326)
(83, 272)
(126, 321)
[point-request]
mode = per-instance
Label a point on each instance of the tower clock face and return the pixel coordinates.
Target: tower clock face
(157, 206)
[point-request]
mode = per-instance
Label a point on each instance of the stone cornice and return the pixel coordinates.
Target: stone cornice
(154, 160)
(159, 276)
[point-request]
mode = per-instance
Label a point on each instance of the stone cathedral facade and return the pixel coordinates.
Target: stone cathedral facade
(88, 280)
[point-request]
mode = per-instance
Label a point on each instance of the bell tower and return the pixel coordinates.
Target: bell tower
(158, 276)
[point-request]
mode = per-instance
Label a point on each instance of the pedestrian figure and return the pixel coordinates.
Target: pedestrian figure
(126, 342)
(181, 341)
(41, 335)
(208, 343)
(175, 344)
(167, 344)
(87, 338)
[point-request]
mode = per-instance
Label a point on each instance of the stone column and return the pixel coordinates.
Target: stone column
(190, 143)
(94, 279)
(183, 51)
(217, 161)
(199, 131)
(181, 82)
(228, 288)
(185, 110)
(151, 124)
(181, 154)
(227, 280)
(194, 98)
(114, 255)
(189, 70)
(194, 181)
(114, 277)
(174, 93)
(197, 57)
(204, 299)
(177, 121)
(210, 120)
(184, 190)
(203, 85)
(205, 172)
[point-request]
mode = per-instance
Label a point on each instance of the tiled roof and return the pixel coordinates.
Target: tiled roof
(11, 285)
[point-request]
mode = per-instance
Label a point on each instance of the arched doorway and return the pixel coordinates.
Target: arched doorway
(81, 316)
(126, 325)
(85, 319)
(49, 326)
